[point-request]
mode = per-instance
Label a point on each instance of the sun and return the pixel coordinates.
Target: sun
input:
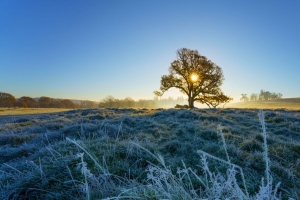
(194, 77)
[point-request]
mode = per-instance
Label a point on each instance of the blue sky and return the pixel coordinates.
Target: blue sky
(91, 49)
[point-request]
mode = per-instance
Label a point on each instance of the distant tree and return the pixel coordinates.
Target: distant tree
(196, 76)
(108, 102)
(142, 103)
(44, 102)
(253, 97)
(170, 99)
(262, 96)
(66, 103)
(31, 103)
(129, 102)
(244, 98)
(7, 100)
(54, 103)
(88, 104)
(273, 96)
(180, 98)
(158, 95)
(267, 95)
(279, 96)
(20, 104)
(117, 103)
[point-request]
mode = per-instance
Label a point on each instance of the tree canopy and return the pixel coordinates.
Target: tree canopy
(6, 99)
(197, 77)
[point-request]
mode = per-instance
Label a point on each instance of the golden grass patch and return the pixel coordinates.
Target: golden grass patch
(27, 111)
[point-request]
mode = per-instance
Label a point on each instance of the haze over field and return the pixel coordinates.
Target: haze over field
(92, 49)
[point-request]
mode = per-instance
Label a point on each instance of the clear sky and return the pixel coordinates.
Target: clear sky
(91, 49)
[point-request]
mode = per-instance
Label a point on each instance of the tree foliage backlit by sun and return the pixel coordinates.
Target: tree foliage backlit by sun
(197, 77)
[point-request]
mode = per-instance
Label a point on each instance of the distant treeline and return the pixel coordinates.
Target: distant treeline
(111, 102)
(8, 100)
(262, 96)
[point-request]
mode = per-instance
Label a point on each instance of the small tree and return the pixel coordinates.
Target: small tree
(197, 77)
(253, 97)
(244, 98)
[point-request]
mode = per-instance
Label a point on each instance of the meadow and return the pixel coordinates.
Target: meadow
(285, 103)
(152, 154)
(29, 111)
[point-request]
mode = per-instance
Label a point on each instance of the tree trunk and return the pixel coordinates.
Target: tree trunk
(191, 103)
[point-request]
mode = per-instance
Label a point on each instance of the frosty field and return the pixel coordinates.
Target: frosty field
(150, 154)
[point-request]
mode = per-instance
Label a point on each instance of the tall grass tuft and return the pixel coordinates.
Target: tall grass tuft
(96, 163)
(264, 133)
(82, 166)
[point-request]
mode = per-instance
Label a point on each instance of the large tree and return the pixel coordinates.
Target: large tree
(197, 77)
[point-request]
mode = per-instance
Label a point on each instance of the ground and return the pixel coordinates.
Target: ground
(101, 153)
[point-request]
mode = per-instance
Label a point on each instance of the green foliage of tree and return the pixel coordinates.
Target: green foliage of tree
(195, 76)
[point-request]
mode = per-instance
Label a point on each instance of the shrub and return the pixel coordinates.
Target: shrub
(181, 106)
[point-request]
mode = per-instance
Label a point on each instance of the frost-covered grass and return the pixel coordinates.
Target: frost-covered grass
(152, 154)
